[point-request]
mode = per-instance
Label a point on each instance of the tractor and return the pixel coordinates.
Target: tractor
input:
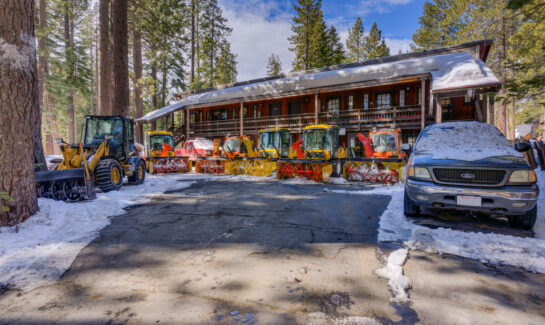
(316, 158)
(160, 154)
(108, 154)
(383, 159)
(239, 157)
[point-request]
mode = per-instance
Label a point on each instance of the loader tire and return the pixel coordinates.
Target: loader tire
(109, 175)
(139, 173)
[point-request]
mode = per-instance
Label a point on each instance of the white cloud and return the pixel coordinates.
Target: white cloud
(255, 37)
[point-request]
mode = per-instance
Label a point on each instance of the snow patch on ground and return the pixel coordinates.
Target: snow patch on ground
(393, 272)
(350, 320)
(48, 242)
(464, 141)
(524, 252)
(299, 181)
(374, 190)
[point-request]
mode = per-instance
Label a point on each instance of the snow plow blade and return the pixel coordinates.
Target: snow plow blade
(210, 165)
(373, 170)
(64, 185)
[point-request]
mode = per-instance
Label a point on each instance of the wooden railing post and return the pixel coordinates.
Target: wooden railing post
(241, 119)
(422, 102)
(187, 124)
(316, 107)
(438, 110)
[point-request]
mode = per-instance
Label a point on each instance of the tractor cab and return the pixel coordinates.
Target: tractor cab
(322, 142)
(274, 143)
(157, 141)
(385, 143)
(117, 129)
(241, 146)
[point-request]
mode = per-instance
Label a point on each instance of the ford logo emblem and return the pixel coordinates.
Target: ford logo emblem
(467, 175)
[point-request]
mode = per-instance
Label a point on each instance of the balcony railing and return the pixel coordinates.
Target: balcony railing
(404, 117)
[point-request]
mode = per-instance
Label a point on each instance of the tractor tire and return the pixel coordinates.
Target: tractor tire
(410, 208)
(139, 174)
(109, 175)
(525, 221)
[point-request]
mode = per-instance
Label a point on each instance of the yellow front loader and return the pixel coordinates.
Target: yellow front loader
(107, 155)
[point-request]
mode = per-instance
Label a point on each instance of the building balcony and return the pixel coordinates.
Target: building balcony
(406, 117)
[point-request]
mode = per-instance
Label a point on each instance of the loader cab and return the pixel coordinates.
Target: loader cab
(118, 129)
(321, 139)
(385, 143)
(157, 139)
(272, 140)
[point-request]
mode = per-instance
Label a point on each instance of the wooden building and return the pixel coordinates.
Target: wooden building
(406, 91)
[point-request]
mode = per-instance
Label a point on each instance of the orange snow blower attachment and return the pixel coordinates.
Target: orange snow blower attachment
(160, 154)
(383, 159)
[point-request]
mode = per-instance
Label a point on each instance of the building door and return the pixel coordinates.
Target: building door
(294, 107)
(275, 109)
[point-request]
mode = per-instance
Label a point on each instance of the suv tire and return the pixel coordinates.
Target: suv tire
(410, 208)
(525, 221)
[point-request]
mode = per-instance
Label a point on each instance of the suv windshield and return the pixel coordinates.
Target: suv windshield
(231, 145)
(316, 139)
(383, 142)
(156, 141)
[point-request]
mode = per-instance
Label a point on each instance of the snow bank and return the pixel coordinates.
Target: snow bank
(464, 141)
(49, 241)
(299, 181)
(393, 271)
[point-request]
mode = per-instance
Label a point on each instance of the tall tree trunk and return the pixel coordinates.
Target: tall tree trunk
(501, 111)
(163, 82)
(105, 80)
(42, 72)
(213, 45)
(69, 51)
(137, 66)
(192, 73)
(19, 107)
(120, 58)
(154, 78)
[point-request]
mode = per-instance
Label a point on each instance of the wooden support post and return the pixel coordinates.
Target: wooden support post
(187, 124)
(172, 116)
(478, 111)
(485, 109)
(491, 109)
(154, 125)
(423, 102)
(438, 110)
(241, 119)
(316, 107)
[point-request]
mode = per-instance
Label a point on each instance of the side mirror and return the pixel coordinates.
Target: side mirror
(522, 146)
(406, 148)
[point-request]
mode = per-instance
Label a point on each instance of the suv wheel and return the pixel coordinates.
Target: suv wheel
(410, 208)
(525, 221)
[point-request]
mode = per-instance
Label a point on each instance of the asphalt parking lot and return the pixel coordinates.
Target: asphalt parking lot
(233, 252)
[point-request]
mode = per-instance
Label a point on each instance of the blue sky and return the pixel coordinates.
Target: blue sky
(261, 27)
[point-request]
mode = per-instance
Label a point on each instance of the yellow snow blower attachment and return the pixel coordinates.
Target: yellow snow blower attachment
(316, 158)
(160, 154)
(383, 159)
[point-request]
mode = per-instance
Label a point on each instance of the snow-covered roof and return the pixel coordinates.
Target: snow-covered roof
(468, 140)
(447, 71)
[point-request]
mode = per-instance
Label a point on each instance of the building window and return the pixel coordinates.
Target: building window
(333, 105)
(234, 113)
(419, 99)
(350, 102)
(254, 109)
(194, 117)
(366, 101)
(320, 108)
(383, 100)
(402, 97)
(219, 114)
(467, 99)
(245, 109)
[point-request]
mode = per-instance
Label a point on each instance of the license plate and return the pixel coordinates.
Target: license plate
(471, 201)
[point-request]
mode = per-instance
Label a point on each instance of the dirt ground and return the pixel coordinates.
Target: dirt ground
(264, 252)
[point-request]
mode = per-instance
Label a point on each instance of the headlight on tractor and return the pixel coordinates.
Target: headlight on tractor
(421, 173)
(522, 177)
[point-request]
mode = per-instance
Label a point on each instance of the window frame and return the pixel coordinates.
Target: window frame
(365, 103)
(380, 93)
(402, 97)
(331, 98)
(350, 102)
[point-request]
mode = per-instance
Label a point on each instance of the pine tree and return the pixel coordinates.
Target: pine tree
(338, 54)
(226, 65)
(308, 15)
(320, 49)
(355, 43)
(375, 45)
(274, 66)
